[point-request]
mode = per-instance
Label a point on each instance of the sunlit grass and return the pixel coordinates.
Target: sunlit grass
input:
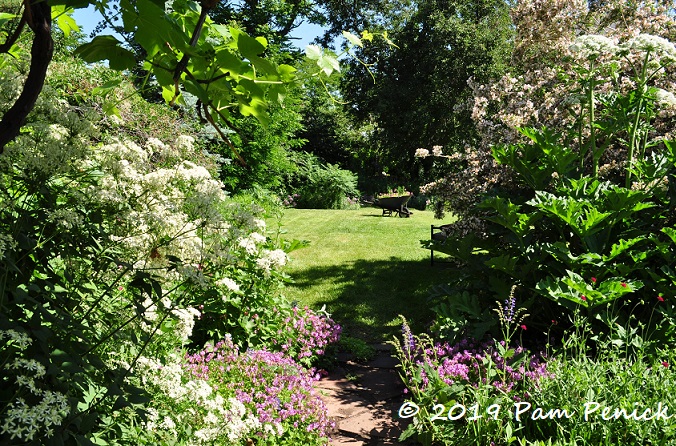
(367, 269)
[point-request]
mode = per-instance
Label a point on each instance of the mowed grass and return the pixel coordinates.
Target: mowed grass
(367, 269)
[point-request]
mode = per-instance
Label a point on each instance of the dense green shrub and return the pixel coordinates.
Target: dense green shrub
(322, 186)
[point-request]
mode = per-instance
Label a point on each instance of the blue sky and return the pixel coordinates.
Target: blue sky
(88, 18)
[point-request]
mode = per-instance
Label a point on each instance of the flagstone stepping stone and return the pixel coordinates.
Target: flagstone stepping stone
(364, 399)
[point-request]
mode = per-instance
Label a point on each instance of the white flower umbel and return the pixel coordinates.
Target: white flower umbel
(28, 422)
(228, 283)
(591, 46)
(653, 44)
(13, 337)
(665, 98)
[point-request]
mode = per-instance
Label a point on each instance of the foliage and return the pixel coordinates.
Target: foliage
(321, 186)
(559, 229)
(266, 150)
(358, 348)
(460, 389)
(619, 392)
(546, 87)
(422, 95)
(112, 252)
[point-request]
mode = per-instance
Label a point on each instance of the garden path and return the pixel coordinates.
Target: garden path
(364, 400)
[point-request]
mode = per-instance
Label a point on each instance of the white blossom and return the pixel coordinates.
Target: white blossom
(654, 44)
(593, 45)
(422, 153)
(228, 283)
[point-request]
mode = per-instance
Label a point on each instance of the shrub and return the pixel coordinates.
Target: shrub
(322, 186)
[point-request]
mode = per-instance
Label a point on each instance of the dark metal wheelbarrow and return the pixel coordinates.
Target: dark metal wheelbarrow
(394, 204)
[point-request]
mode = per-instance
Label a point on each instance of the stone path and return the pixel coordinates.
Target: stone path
(364, 400)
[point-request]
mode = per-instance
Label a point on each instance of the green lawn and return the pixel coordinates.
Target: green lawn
(367, 269)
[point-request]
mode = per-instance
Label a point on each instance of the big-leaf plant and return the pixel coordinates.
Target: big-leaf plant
(223, 67)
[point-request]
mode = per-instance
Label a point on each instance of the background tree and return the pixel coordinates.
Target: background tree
(422, 97)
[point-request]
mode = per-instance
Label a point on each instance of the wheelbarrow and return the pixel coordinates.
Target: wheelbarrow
(394, 204)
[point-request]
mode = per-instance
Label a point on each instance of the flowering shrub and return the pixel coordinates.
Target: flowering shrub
(113, 254)
(586, 202)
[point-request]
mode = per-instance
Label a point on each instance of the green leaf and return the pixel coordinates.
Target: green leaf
(354, 40)
(107, 48)
(313, 52)
(328, 64)
(106, 88)
(247, 45)
(64, 20)
(6, 17)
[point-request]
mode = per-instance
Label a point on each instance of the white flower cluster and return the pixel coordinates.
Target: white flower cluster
(229, 284)
(26, 422)
(184, 317)
(665, 98)
(422, 153)
(181, 205)
(216, 417)
(271, 259)
(653, 44)
(593, 45)
(13, 337)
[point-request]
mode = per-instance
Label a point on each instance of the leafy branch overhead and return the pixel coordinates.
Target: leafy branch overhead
(185, 51)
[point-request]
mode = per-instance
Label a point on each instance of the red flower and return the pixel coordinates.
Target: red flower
(665, 364)
(555, 322)
(523, 327)
(624, 285)
(583, 297)
(660, 298)
(593, 279)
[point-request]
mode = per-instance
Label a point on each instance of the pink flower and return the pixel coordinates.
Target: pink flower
(660, 298)
(523, 327)
(624, 285)
(665, 364)
(593, 279)
(120, 288)
(583, 297)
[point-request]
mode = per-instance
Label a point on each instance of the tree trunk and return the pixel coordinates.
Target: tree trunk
(38, 16)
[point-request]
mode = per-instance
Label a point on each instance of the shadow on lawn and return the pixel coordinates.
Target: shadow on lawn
(368, 295)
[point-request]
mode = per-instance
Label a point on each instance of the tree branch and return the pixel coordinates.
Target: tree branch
(220, 132)
(38, 16)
